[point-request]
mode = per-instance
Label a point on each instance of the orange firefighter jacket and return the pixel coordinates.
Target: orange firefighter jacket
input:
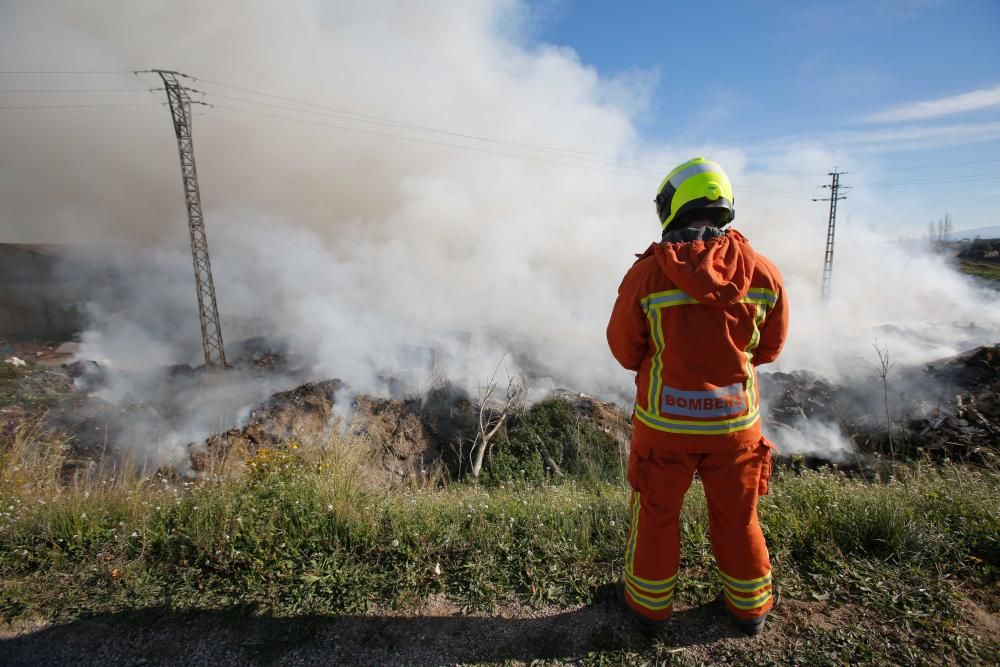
(693, 320)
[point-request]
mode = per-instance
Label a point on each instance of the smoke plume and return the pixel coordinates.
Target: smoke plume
(361, 249)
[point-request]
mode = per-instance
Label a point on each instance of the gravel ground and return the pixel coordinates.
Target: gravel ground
(437, 636)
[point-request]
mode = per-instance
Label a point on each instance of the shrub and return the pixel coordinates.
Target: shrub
(578, 448)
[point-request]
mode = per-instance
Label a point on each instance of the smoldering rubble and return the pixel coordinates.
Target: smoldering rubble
(948, 409)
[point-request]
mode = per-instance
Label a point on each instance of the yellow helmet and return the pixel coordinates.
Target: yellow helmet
(696, 184)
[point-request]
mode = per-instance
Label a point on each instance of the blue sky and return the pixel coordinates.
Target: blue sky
(851, 74)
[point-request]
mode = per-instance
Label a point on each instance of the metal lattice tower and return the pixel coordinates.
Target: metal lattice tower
(834, 197)
(208, 309)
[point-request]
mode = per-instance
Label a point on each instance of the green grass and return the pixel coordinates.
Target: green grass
(9, 375)
(12, 390)
(292, 534)
(989, 271)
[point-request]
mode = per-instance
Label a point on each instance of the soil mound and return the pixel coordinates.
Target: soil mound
(947, 409)
(304, 413)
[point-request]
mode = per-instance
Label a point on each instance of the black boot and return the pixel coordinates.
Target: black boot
(751, 627)
(646, 626)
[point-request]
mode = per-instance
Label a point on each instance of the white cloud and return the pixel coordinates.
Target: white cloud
(942, 106)
(917, 137)
(888, 140)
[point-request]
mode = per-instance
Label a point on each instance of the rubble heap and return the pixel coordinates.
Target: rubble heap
(969, 424)
(947, 409)
(304, 413)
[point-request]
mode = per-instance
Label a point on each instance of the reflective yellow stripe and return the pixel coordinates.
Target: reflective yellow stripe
(670, 298)
(706, 422)
(761, 294)
(649, 593)
(657, 366)
(650, 585)
(758, 319)
(744, 582)
(748, 603)
(709, 427)
(633, 531)
(647, 602)
(673, 297)
(676, 297)
(666, 591)
(745, 585)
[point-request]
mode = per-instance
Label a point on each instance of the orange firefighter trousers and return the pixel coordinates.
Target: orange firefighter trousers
(732, 480)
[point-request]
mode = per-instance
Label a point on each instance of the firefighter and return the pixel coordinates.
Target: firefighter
(695, 315)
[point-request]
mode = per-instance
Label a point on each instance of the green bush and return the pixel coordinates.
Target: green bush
(579, 449)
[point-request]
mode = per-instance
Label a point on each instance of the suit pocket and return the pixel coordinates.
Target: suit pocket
(764, 481)
(638, 459)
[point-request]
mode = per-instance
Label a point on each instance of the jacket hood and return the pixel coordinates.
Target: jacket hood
(716, 271)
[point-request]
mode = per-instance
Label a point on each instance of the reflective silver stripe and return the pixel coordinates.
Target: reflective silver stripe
(745, 585)
(748, 604)
(699, 168)
(714, 427)
(645, 585)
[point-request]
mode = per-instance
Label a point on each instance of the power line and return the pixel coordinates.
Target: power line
(349, 115)
(90, 71)
(366, 117)
(414, 126)
(563, 152)
(631, 172)
(80, 106)
(82, 90)
(929, 166)
(932, 181)
(774, 193)
(567, 154)
(614, 163)
(425, 141)
(621, 172)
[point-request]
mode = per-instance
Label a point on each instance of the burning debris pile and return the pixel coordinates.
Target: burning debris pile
(407, 438)
(970, 423)
(304, 413)
(947, 409)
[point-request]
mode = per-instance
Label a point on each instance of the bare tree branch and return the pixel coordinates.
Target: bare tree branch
(492, 419)
(885, 365)
(549, 461)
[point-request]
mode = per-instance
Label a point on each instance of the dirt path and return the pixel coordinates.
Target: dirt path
(438, 636)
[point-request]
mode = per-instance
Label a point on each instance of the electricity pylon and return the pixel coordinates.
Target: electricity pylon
(834, 197)
(208, 310)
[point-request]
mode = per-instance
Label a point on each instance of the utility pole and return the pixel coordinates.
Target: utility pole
(208, 310)
(834, 197)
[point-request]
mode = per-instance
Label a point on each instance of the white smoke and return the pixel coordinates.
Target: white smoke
(814, 438)
(356, 248)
